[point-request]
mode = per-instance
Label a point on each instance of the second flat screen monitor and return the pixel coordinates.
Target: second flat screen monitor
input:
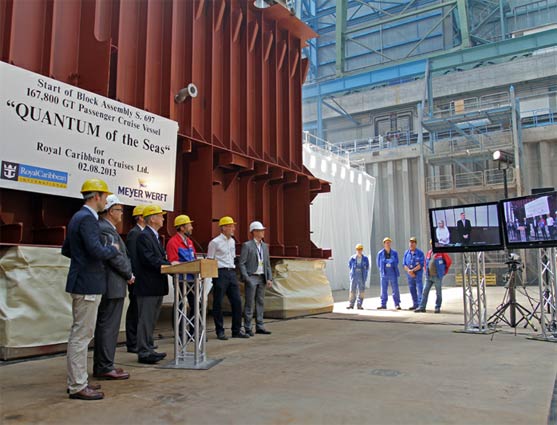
(466, 228)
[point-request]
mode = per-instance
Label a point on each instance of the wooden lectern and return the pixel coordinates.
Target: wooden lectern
(190, 333)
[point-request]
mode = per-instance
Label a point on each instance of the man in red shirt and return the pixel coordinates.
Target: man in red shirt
(180, 249)
(436, 267)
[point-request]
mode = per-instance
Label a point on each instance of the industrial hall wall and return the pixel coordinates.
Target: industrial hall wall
(239, 142)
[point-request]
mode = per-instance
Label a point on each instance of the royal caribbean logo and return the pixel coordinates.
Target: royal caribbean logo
(9, 170)
(34, 175)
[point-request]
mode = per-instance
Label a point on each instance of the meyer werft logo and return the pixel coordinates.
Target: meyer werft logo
(141, 194)
(9, 170)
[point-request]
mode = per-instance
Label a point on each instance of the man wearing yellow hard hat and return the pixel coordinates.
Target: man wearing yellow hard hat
(151, 285)
(131, 244)
(86, 283)
(413, 262)
(387, 263)
(359, 269)
(179, 249)
(223, 249)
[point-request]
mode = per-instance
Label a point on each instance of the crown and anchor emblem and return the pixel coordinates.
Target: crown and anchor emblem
(9, 170)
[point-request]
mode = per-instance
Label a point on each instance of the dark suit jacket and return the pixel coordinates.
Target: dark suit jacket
(131, 244)
(87, 273)
(464, 229)
(119, 268)
(249, 260)
(151, 256)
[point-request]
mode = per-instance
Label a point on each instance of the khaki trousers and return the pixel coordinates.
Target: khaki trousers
(82, 331)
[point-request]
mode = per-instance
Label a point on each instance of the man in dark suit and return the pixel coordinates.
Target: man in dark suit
(86, 283)
(131, 244)
(118, 276)
(464, 229)
(255, 268)
(151, 285)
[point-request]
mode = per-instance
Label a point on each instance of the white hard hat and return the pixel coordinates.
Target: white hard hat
(112, 200)
(256, 225)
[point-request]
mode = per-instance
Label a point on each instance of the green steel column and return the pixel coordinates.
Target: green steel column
(502, 19)
(340, 35)
(463, 20)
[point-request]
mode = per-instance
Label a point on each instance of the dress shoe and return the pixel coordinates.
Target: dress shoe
(250, 332)
(132, 350)
(349, 307)
(113, 374)
(263, 331)
(398, 307)
(222, 337)
(419, 310)
(160, 355)
(240, 335)
(150, 359)
(95, 387)
(88, 393)
(382, 307)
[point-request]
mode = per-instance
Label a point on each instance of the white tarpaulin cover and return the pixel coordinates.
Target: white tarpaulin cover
(35, 309)
(341, 218)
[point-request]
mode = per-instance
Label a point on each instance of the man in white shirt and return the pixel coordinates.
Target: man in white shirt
(443, 235)
(551, 227)
(223, 249)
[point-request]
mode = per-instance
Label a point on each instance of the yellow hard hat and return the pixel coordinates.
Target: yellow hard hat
(95, 185)
(359, 246)
(181, 220)
(152, 210)
(226, 220)
(387, 239)
(138, 210)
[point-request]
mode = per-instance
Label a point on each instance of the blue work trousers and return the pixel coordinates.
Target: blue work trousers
(385, 281)
(432, 280)
(416, 287)
(357, 289)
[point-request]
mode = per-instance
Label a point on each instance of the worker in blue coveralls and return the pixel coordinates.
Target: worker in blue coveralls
(387, 263)
(413, 262)
(359, 269)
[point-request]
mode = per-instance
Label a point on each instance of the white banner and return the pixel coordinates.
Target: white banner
(537, 207)
(55, 136)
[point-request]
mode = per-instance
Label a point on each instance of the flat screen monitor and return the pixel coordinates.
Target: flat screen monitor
(530, 221)
(466, 228)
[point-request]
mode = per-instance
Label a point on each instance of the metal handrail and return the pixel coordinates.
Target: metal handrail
(486, 178)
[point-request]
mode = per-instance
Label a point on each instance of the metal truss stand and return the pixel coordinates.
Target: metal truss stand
(475, 314)
(190, 333)
(547, 258)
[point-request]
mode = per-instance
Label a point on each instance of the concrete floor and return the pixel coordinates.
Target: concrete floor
(346, 367)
